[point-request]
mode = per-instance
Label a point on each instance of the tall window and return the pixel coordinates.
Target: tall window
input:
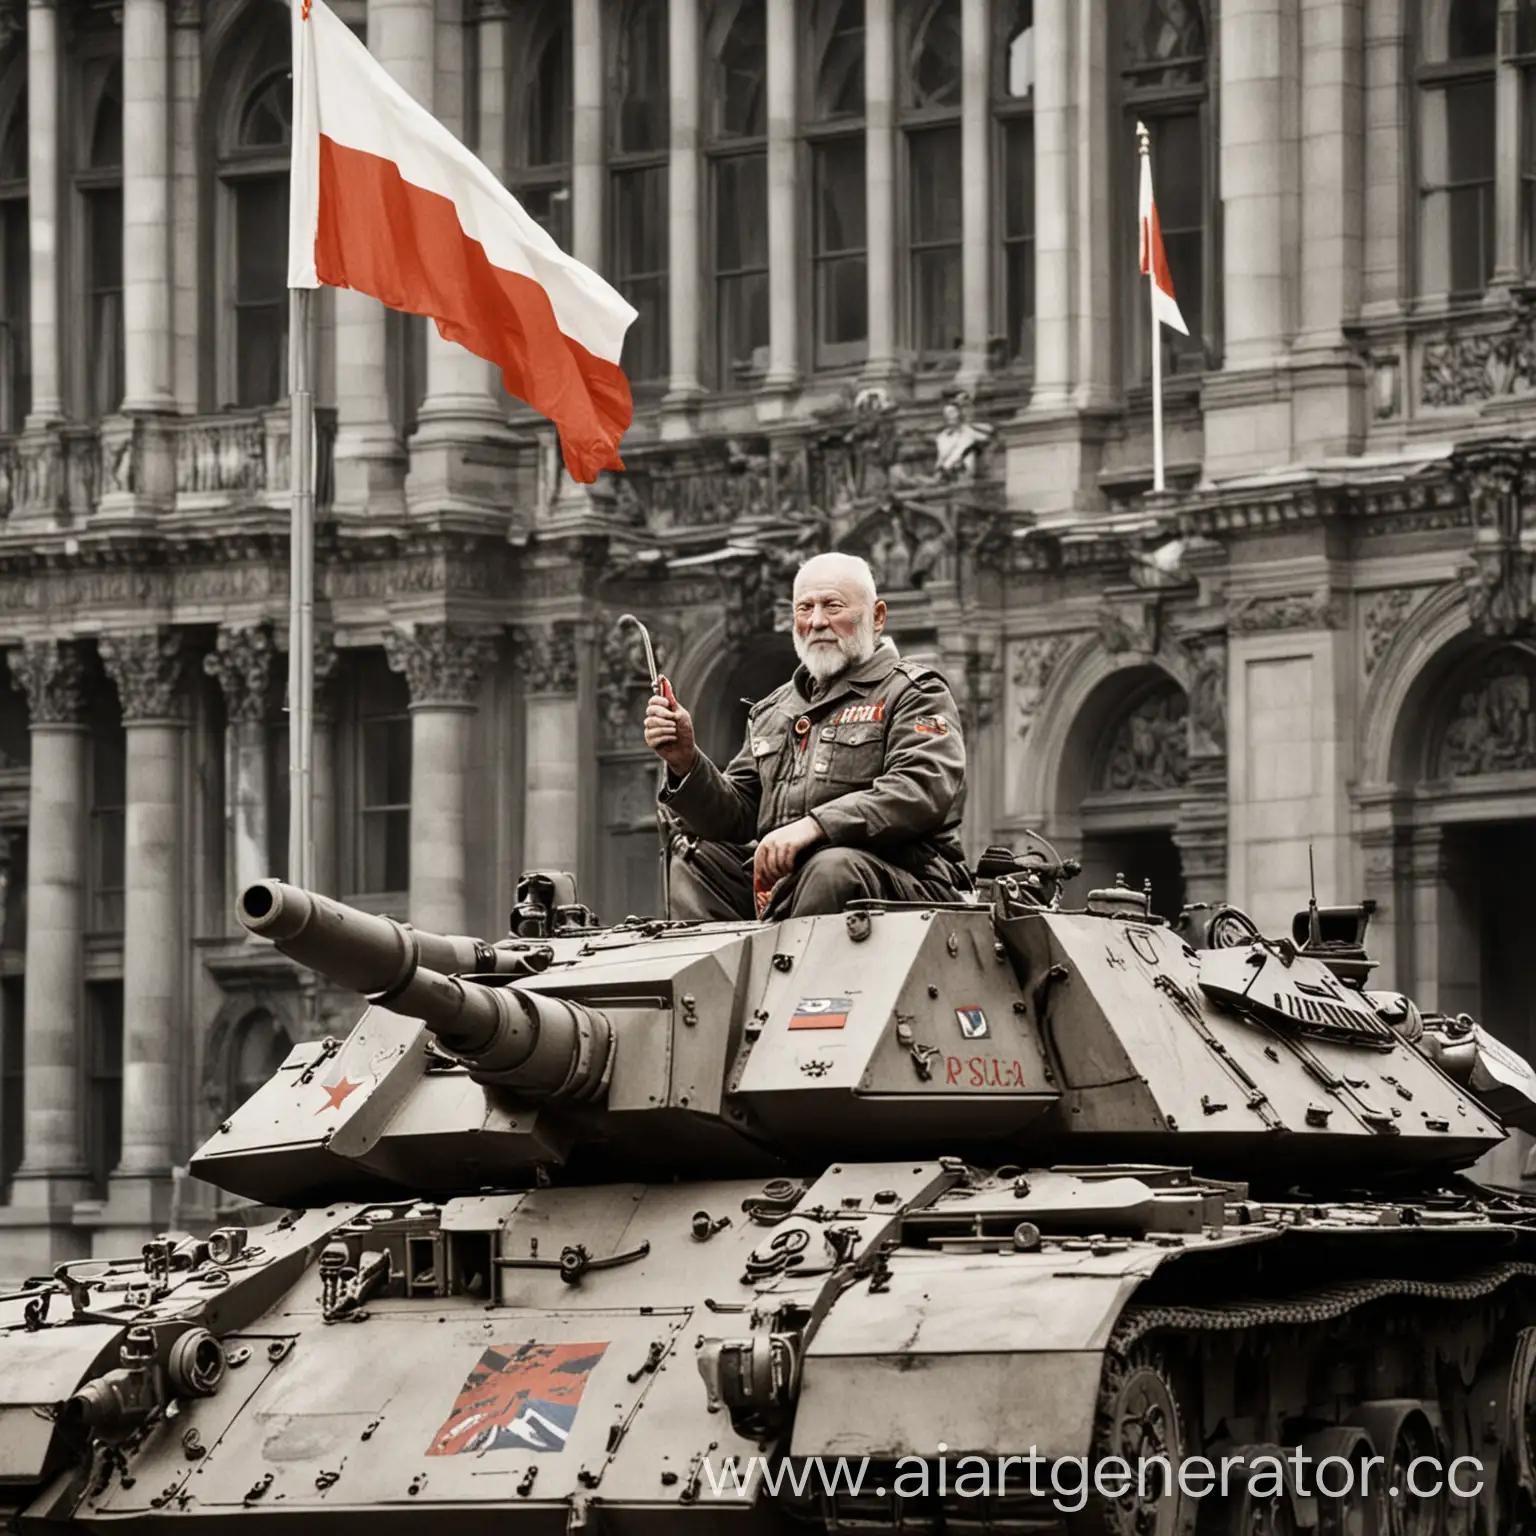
(99, 184)
(930, 86)
(1458, 63)
(540, 151)
(109, 797)
(15, 267)
(255, 134)
(103, 1080)
(381, 775)
(1525, 58)
(835, 135)
(1165, 84)
(637, 202)
(736, 50)
(12, 1076)
(1013, 95)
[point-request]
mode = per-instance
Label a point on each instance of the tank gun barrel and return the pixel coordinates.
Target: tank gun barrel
(544, 1047)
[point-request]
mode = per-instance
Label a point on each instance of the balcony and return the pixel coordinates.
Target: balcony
(146, 468)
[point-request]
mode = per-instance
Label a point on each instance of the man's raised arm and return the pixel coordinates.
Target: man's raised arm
(719, 806)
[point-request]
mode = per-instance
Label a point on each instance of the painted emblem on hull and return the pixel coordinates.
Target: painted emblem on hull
(519, 1397)
(821, 1013)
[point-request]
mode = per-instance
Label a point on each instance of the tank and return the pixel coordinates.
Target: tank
(1003, 1216)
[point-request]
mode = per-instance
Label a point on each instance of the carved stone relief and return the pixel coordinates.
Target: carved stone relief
(1293, 610)
(547, 655)
(1207, 695)
(1150, 746)
(1032, 664)
(1381, 616)
(242, 662)
(1469, 368)
(1492, 724)
(50, 673)
(146, 667)
(443, 663)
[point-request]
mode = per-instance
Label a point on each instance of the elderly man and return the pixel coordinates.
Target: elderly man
(851, 778)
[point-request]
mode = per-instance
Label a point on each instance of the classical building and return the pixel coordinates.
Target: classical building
(884, 254)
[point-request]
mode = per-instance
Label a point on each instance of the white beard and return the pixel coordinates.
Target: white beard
(824, 657)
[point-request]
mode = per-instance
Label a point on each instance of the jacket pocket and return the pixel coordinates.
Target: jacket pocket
(856, 756)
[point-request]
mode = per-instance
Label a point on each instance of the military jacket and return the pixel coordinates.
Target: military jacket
(877, 759)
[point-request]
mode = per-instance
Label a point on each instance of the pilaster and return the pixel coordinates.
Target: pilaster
(548, 658)
(443, 666)
(241, 661)
(880, 184)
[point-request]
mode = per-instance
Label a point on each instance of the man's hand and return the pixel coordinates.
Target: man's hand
(777, 852)
(669, 731)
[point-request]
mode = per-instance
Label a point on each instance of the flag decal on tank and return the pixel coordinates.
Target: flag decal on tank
(519, 1397)
(973, 1023)
(821, 1013)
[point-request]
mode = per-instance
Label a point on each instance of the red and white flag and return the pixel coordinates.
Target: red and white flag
(385, 200)
(1154, 260)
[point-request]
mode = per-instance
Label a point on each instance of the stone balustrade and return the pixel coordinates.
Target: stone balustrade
(234, 460)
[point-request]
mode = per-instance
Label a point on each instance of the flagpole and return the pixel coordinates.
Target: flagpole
(301, 592)
(1145, 141)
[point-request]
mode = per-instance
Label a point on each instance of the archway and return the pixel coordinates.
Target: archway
(1123, 779)
(1463, 842)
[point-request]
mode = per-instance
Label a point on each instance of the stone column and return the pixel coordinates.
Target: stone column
(552, 803)
(1254, 36)
(52, 1172)
(443, 666)
(976, 188)
(1054, 148)
(43, 210)
(880, 183)
(146, 207)
(1388, 105)
(684, 213)
(1097, 213)
(783, 199)
(146, 667)
(588, 151)
(242, 662)
(186, 196)
(1329, 411)
(1507, 166)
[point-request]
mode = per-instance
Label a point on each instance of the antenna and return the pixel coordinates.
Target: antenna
(1314, 923)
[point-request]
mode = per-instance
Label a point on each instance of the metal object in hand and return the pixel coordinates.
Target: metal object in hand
(650, 655)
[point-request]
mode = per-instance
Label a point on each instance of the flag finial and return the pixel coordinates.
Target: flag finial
(1143, 138)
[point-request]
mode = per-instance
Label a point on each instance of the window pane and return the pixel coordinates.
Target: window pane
(738, 51)
(15, 312)
(386, 851)
(1014, 28)
(743, 324)
(266, 121)
(1525, 27)
(1018, 239)
(840, 58)
(842, 301)
(933, 78)
(261, 295)
(279, 799)
(107, 131)
(386, 762)
(1470, 132)
(741, 212)
(12, 1069)
(551, 206)
(840, 206)
(1472, 29)
(933, 158)
(1166, 43)
(549, 99)
(642, 78)
(639, 236)
(104, 1079)
(1018, 178)
(936, 299)
(13, 147)
(104, 299)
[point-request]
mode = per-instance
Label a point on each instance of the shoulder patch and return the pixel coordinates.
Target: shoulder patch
(931, 725)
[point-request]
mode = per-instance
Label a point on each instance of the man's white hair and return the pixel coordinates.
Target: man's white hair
(836, 565)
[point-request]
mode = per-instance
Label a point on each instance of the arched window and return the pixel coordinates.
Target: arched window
(15, 254)
(259, 1046)
(540, 151)
(930, 108)
(736, 61)
(637, 159)
(99, 187)
(253, 97)
(1013, 96)
(1458, 63)
(1164, 81)
(839, 233)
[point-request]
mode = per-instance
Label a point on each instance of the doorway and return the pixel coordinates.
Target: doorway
(1140, 856)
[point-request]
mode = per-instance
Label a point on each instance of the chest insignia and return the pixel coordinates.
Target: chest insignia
(859, 714)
